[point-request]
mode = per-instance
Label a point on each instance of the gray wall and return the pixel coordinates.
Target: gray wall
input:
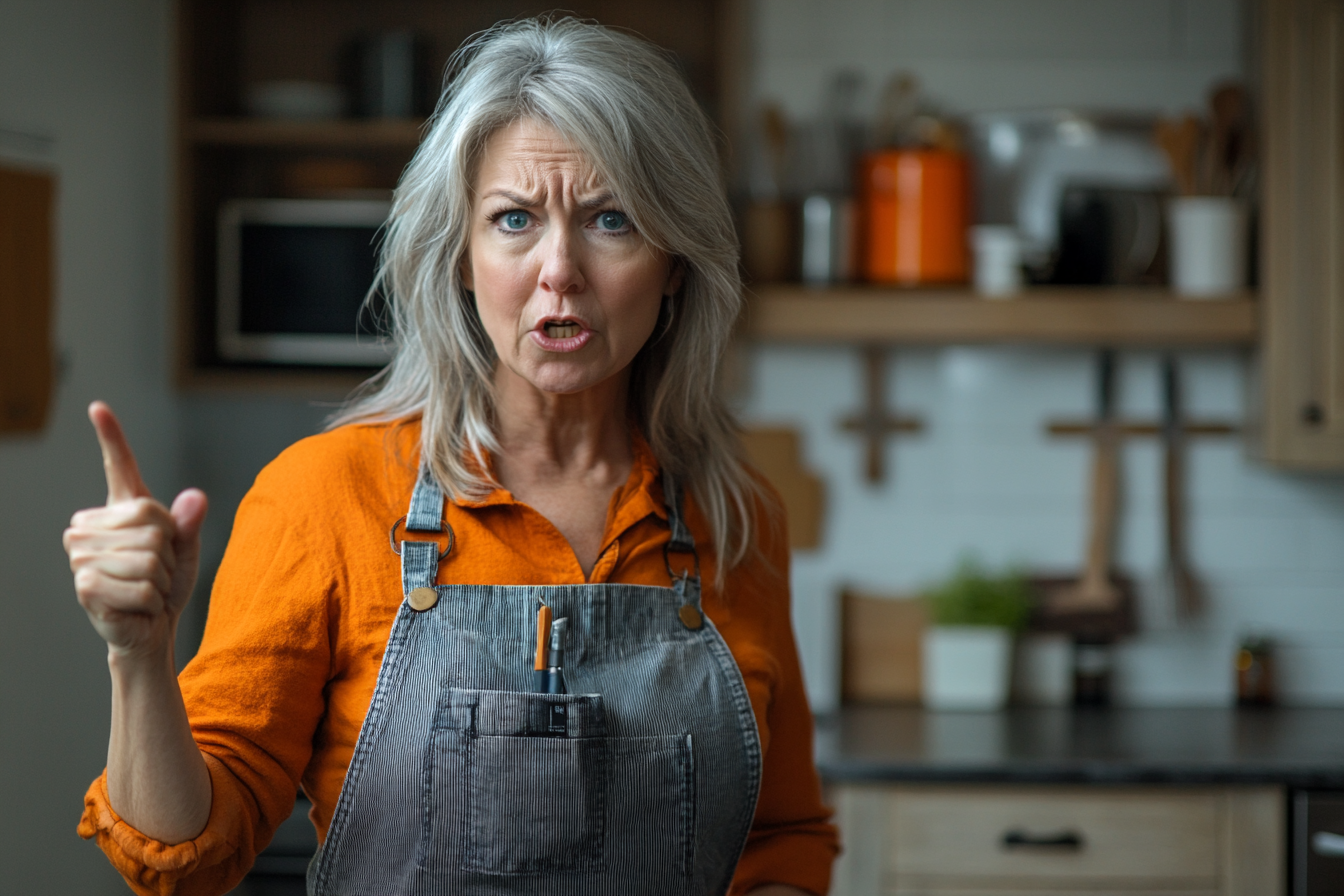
(93, 76)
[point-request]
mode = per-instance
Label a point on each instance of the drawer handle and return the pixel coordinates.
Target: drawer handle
(1062, 841)
(1328, 844)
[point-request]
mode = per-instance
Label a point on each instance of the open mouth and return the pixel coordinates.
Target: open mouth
(562, 329)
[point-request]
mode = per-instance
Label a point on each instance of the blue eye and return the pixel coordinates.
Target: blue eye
(515, 220)
(612, 221)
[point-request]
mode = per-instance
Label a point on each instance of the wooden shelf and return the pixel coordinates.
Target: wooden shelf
(1061, 316)
(342, 134)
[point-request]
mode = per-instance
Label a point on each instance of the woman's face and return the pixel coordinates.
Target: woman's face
(567, 289)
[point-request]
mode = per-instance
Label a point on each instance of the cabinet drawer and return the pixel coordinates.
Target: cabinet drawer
(1024, 838)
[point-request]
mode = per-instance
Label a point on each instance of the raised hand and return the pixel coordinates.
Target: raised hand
(135, 561)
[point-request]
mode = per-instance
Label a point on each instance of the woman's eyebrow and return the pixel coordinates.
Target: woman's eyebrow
(598, 201)
(516, 199)
(592, 202)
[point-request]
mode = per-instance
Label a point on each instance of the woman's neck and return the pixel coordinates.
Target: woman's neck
(564, 455)
(546, 436)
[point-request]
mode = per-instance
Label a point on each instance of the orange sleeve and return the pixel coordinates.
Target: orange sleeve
(792, 840)
(254, 695)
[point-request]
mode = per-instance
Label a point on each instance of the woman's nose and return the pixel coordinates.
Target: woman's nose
(561, 272)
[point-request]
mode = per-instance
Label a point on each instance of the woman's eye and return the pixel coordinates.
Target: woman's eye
(515, 220)
(612, 221)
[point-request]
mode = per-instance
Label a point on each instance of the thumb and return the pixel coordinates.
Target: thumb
(188, 512)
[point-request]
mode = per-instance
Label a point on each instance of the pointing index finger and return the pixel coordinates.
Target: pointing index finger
(123, 474)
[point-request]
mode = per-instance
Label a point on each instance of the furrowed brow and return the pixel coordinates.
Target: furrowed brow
(598, 201)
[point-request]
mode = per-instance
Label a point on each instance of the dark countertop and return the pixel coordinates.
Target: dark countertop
(1297, 747)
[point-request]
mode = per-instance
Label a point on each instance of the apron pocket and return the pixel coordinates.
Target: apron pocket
(651, 806)
(507, 791)
(536, 805)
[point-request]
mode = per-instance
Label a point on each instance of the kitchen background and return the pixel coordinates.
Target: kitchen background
(85, 91)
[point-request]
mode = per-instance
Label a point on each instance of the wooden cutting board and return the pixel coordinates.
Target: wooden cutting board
(777, 452)
(881, 653)
(26, 358)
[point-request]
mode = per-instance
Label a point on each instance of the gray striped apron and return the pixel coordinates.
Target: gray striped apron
(459, 785)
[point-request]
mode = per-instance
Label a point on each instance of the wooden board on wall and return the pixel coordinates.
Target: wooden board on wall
(26, 376)
(777, 453)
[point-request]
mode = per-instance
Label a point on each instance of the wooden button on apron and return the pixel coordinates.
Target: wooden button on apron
(422, 598)
(690, 617)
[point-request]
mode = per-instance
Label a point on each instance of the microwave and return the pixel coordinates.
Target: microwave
(292, 281)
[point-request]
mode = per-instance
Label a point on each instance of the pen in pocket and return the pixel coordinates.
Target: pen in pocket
(555, 665)
(539, 674)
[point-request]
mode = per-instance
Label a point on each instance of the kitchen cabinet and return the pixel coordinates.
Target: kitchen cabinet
(1033, 800)
(1302, 351)
(903, 840)
(225, 46)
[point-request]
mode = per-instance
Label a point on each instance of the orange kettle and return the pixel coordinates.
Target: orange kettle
(916, 210)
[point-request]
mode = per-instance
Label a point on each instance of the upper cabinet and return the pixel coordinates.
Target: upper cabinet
(1302, 344)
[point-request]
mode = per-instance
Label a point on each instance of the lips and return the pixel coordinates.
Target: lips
(561, 334)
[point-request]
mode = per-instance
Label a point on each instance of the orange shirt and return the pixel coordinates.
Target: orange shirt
(300, 614)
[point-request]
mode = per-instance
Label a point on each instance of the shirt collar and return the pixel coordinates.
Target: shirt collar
(640, 496)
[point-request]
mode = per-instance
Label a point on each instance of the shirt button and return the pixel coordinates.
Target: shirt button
(422, 599)
(690, 617)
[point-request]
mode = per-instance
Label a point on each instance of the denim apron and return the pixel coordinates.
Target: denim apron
(462, 782)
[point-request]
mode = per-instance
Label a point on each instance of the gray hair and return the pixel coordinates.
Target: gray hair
(626, 107)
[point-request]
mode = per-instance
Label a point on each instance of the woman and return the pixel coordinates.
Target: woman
(563, 276)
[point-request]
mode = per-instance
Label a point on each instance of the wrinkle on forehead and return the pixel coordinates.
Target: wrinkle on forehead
(534, 159)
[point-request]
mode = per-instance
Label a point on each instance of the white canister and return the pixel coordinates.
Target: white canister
(998, 260)
(828, 239)
(1208, 245)
(966, 667)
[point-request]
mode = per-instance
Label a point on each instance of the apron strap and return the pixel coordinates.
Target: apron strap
(420, 559)
(682, 540)
(685, 576)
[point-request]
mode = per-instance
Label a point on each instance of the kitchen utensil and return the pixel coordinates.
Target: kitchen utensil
(1228, 149)
(1185, 585)
(770, 226)
(1095, 592)
(915, 217)
(1180, 140)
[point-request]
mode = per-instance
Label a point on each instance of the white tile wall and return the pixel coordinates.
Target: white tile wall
(984, 476)
(983, 54)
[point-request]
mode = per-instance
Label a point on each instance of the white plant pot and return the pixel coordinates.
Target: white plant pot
(967, 667)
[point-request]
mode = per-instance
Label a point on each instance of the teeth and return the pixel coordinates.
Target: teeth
(562, 331)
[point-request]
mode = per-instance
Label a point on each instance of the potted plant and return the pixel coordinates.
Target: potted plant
(968, 648)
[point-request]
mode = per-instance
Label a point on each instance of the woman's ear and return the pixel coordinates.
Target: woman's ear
(676, 275)
(464, 271)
